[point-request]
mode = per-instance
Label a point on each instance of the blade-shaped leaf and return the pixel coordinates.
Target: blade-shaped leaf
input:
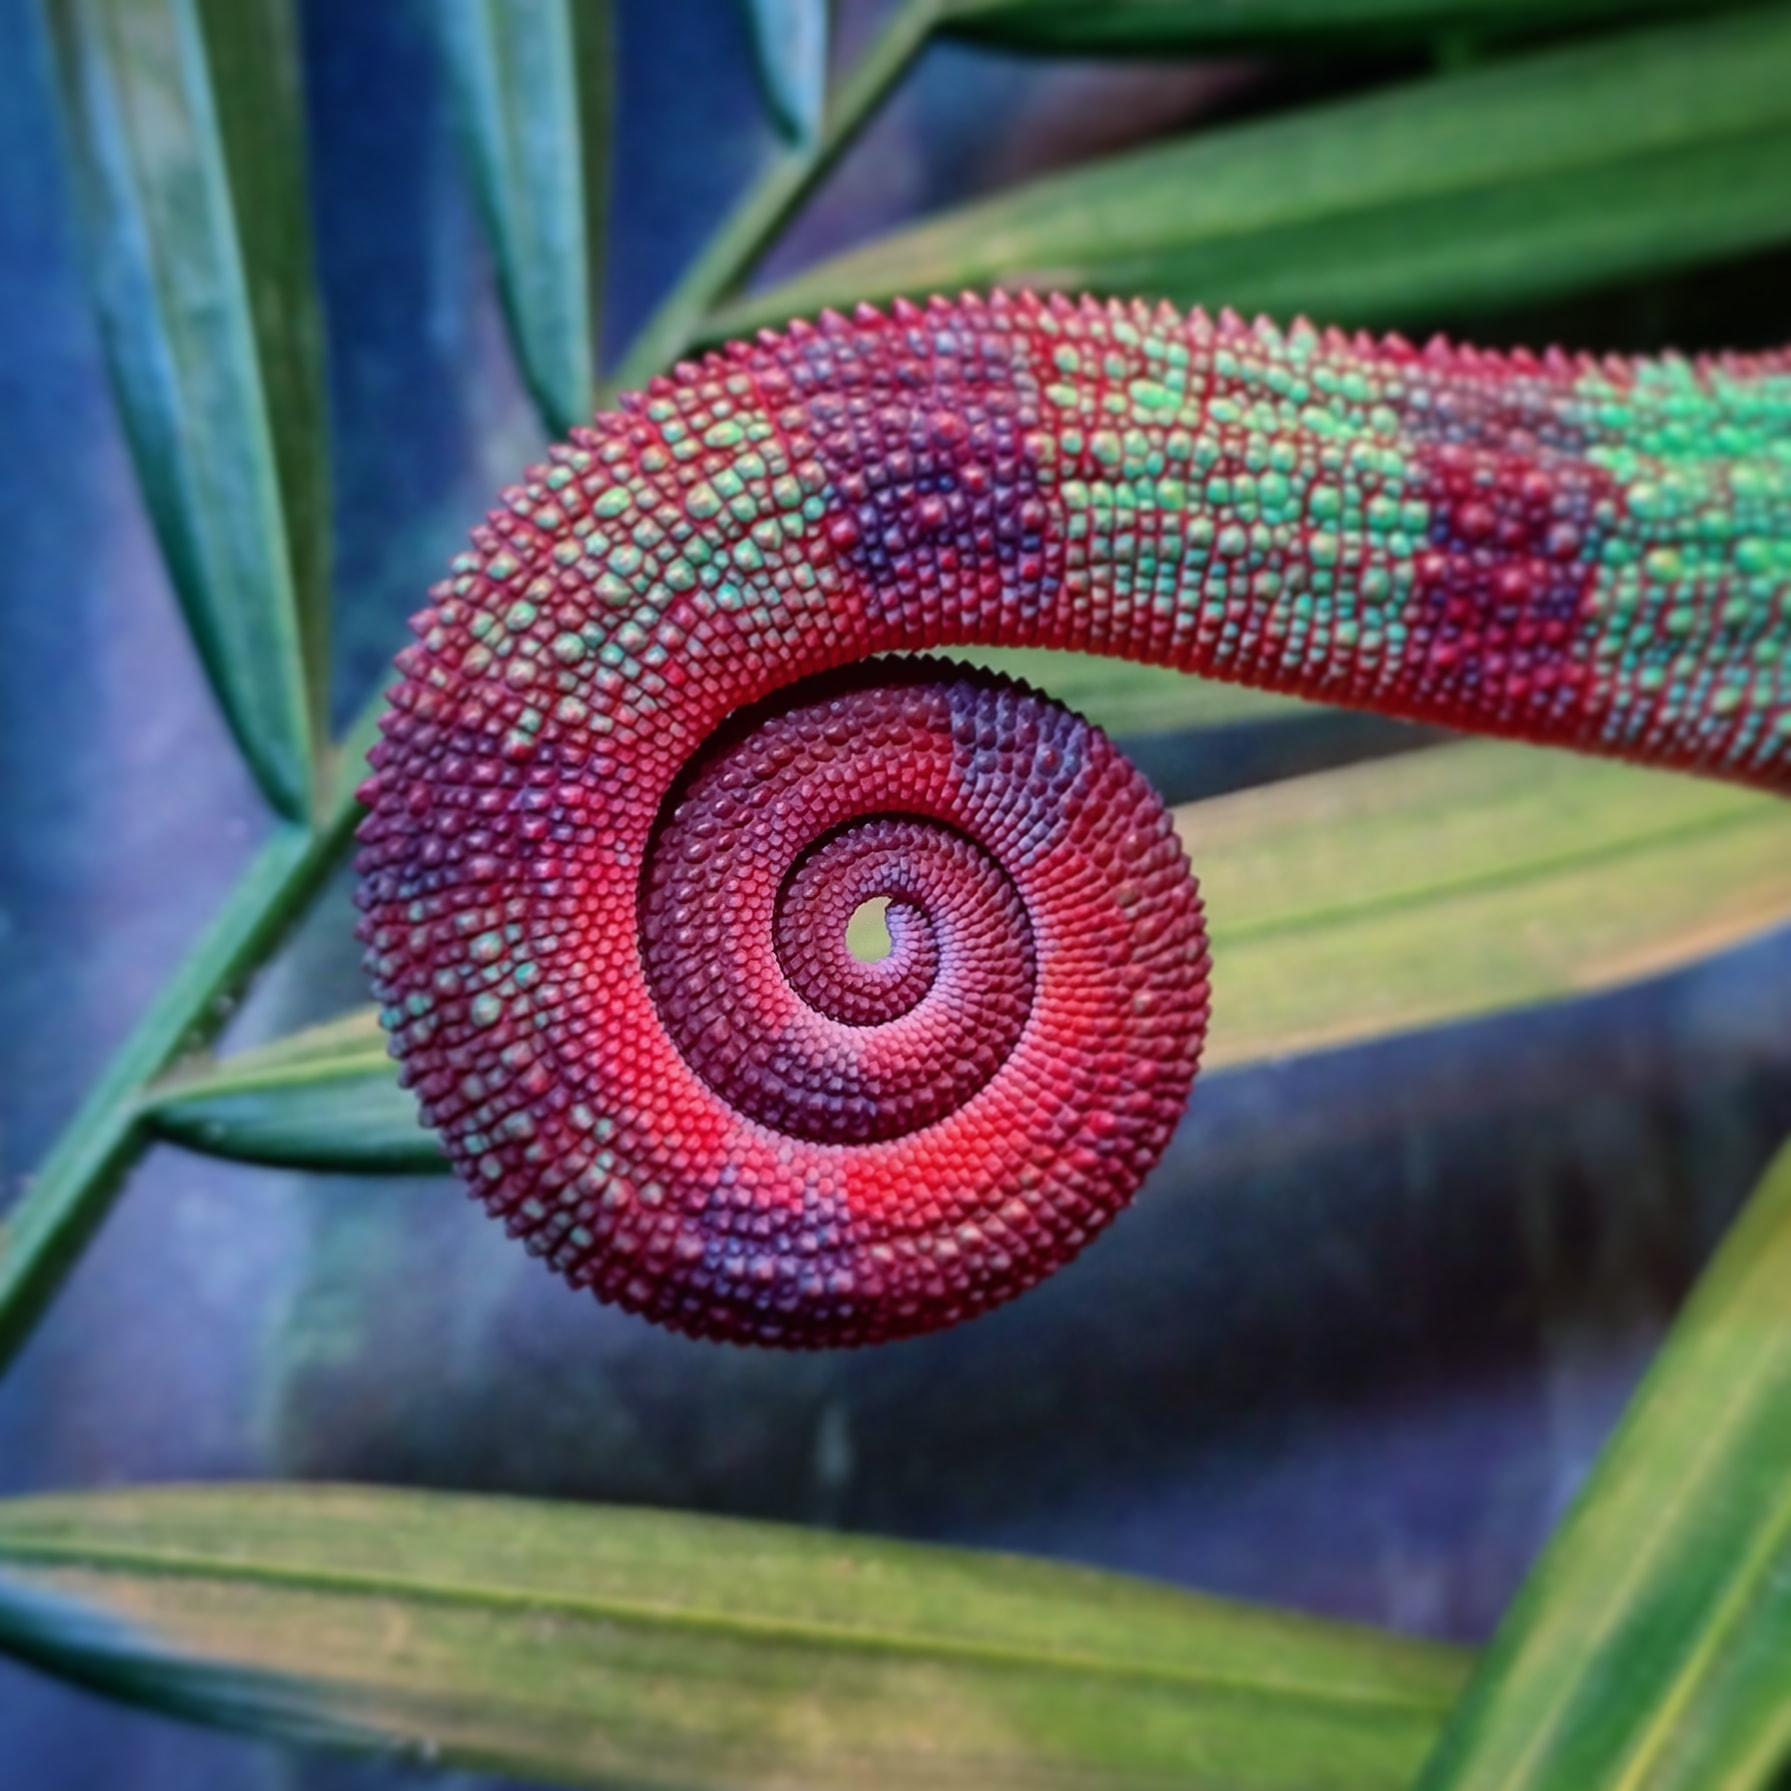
(1138, 25)
(604, 1646)
(324, 1098)
(790, 47)
(1377, 899)
(532, 80)
(1651, 1648)
(1128, 699)
(1523, 178)
(186, 137)
(1479, 877)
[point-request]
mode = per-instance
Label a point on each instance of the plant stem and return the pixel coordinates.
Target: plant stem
(768, 205)
(42, 1238)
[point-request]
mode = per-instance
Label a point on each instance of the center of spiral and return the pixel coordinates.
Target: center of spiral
(867, 932)
(754, 880)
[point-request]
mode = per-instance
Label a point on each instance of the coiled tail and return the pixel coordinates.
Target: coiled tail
(629, 794)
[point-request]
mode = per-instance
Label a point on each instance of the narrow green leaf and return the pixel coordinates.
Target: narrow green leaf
(1134, 26)
(1523, 178)
(185, 130)
(1348, 905)
(324, 1098)
(532, 79)
(1479, 877)
(602, 1646)
(1651, 1648)
(790, 48)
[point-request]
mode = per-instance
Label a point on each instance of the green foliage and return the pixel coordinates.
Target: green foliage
(601, 1645)
(1651, 1648)
(532, 81)
(1132, 26)
(790, 47)
(1521, 179)
(1650, 1651)
(324, 1098)
(1339, 903)
(186, 144)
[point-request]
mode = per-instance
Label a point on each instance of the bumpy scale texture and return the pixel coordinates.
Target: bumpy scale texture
(607, 871)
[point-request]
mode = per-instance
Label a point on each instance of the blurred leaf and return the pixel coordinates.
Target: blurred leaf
(604, 1645)
(1128, 699)
(1651, 1647)
(1528, 177)
(185, 127)
(1477, 877)
(1134, 26)
(532, 79)
(324, 1098)
(1389, 896)
(789, 40)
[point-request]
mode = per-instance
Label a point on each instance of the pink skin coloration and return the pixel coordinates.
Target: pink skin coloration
(628, 796)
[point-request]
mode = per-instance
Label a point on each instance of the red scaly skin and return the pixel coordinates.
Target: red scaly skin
(611, 852)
